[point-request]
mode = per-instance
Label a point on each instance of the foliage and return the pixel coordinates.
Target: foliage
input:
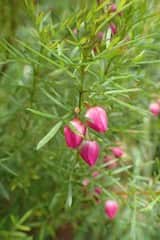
(47, 72)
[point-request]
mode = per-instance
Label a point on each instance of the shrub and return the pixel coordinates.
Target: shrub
(59, 58)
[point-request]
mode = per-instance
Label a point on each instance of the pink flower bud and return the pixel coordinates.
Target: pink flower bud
(89, 151)
(154, 109)
(117, 152)
(110, 162)
(112, 8)
(111, 208)
(95, 174)
(85, 182)
(100, 35)
(97, 119)
(98, 190)
(113, 28)
(73, 139)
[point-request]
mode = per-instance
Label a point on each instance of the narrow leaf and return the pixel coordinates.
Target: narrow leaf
(69, 198)
(49, 135)
(41, 114)
(3, 192)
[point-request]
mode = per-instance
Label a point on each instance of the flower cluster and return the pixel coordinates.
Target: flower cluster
(75, 134)
(111, 207)
(76, 138)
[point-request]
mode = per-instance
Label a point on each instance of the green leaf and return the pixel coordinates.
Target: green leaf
(131, 107)
(69, 198)
(41, 114)
(7, 169)
(53, 99)
(49, 135)
(25, 217)
(23, 228)
(122, 169)
(151, 205)
(54, 201)
(3, 192)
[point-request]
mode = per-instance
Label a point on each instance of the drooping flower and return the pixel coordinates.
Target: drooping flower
(98, 190)
(155, 108)
(89, 151)
(97, 119)
(117, 152)
(74, 139)
(113, 28)
(111, 208)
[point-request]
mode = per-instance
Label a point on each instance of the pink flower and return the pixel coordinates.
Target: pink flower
(97, 119)
(73, 139)
(89, 151)
(111, 208)
(85, 182)
(95, 174)
(154, 108)
(110, 162)
(112, 8)
(113, 28)
(117, 152)
(98, 190)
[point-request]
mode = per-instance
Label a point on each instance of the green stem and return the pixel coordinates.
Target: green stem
(81, 89)
(32, 93)
(34, 86)
(107, 68)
